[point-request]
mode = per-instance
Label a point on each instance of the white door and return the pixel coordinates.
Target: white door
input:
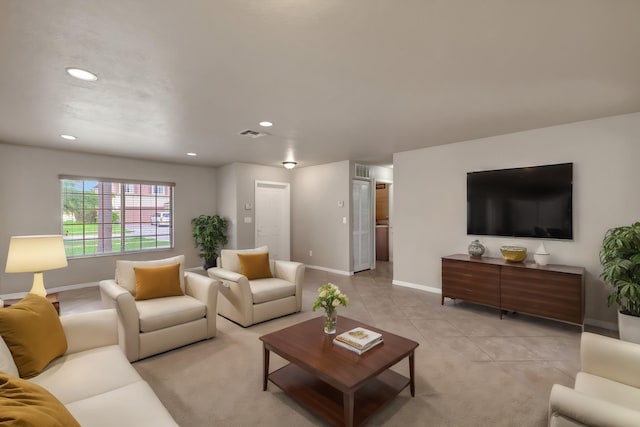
(361, 228)
(272, 213)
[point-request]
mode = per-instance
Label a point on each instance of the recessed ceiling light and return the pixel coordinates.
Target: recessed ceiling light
(69, 137)
(81, 74)
(289, 164)
(266, 124)
(192, 154)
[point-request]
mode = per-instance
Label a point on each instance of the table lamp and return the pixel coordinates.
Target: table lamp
(35, 254)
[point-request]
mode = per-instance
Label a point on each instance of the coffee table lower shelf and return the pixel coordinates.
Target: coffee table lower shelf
(328, 402)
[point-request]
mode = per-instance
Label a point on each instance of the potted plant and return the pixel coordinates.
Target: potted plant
(620, 259)
(210, 234)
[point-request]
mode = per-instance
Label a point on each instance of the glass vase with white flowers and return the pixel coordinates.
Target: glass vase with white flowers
(329, 298)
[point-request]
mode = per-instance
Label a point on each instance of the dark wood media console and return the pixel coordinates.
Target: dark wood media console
(551, 291)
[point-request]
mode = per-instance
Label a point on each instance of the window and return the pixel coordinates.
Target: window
(101, 216)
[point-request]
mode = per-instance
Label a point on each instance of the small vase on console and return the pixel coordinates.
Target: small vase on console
(476, 249)
(542, 255)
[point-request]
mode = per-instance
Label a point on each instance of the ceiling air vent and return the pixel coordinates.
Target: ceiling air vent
(252, 133)
(362, 171)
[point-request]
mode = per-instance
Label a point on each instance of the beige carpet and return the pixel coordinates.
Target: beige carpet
(472, 369)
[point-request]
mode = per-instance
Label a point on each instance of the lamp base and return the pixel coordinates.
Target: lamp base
(38, 285)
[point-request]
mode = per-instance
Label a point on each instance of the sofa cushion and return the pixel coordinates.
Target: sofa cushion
(229, 257)
(24, 404)
(157, 282)
(126, 276)
(265, 290)
(255, 266)
(162, 313)
(606, 389)
(87, 373)
(32, 330)
(7, 365)
(132, 405)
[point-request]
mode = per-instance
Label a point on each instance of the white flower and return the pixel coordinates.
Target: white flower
(338, 292)
(322, 294)
(335, 303)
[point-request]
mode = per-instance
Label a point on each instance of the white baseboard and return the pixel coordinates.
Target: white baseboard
(18, 295)
(612, 326)
(416, 286)
(330, 270)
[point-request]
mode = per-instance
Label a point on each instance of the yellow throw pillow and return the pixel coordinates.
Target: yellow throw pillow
(255, 266)
(25, 404)
(32, 330)
(157, 282)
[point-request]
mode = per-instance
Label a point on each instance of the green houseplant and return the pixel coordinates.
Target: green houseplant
(210, 234)
(620, 259)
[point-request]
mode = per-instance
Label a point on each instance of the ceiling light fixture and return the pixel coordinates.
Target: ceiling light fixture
(81, 74)
(266, 124)
(289, 164)
(192, 154)
(68, 137)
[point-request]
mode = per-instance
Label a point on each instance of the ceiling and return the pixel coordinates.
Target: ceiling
(356, 79)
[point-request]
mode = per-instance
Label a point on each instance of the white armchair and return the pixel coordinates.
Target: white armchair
(152, 326)
(247, 302)
(607, 389)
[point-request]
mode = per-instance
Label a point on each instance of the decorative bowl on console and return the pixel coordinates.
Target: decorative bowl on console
(513, 253)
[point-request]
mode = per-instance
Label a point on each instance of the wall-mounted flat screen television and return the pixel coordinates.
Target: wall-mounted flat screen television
(522, 202)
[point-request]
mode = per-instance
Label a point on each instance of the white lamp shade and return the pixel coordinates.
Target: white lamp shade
(31, 254)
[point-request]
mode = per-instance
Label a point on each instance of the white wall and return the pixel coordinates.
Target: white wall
(227, 200)
(236, 188)
(317, 219)
(31, 204)
(430, 198)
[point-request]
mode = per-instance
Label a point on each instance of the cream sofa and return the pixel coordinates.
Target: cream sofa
(94, 379)
(606, 390)
(157, 325)
(247, 302)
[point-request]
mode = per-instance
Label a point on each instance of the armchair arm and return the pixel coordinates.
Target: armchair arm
(115, 296)
(236, 294)
(610, 358)
(205, 290)
(90, 330)
(224, 275)
(291, 272)
(579, 408)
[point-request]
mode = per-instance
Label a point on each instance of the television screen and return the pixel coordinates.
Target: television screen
(522, 202)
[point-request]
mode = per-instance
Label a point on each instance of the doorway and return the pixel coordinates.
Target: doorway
(382, 221)
(273, 217)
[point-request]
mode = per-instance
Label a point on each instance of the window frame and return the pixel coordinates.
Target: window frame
(121, 202)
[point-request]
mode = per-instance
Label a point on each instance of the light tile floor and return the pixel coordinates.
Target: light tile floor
(467, 355)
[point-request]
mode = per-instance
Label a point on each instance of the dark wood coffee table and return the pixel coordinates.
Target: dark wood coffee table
(340, 386)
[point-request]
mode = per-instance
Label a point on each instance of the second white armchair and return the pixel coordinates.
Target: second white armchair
(249, 300)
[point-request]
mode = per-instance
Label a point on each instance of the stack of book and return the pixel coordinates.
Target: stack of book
(358, 340)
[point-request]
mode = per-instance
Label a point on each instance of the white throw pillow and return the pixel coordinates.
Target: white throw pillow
(7, 365)
(126, 276)
(229, 257)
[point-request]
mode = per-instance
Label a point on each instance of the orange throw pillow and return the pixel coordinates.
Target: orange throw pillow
(255, 266)
(157, 282)
(32, 330)
(25, 404)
